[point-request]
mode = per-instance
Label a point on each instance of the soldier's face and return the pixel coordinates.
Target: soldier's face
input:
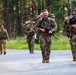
(45, 14)
(31, 22)
(2, 27)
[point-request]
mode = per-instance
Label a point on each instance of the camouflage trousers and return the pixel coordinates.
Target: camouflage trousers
(30, 41)
(73, 45)
(45, 43)
(2, 46)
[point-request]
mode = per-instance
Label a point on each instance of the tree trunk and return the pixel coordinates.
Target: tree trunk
(18, 21)
(5, 17)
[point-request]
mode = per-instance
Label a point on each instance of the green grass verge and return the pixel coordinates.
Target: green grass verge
(62, 43)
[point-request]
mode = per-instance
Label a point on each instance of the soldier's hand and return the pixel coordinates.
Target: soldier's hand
(50, 32)
(74, 25)
(31, 30)
(41, 29)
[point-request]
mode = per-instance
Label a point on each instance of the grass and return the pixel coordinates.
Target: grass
(62, 43)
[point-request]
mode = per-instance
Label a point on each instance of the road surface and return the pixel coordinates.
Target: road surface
(21, 62)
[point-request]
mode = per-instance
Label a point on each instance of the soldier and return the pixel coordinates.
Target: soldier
(70, 30)
(30, 31)
(46, 26)
(66, 27)
(72, 25)
(3, 37)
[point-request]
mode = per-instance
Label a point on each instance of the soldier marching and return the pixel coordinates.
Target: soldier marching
(70, 29)
(3, 37)
(30, 32)
(45, 27)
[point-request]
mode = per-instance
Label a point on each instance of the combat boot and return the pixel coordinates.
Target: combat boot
(47, 61)
(31, 51)
(43, 60)
(4, 53)
(74, 59)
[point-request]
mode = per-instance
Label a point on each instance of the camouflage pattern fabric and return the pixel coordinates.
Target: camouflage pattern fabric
(73, 42)
(0, 47)
(73, 45)
(30, 40)
(45, 38)
(66, 28)
(3, 37)
(45, 43)
(30, 37)
(71, 33)
(3, 34)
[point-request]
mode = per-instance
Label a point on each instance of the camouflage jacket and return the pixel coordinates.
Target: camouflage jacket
(28, 28)
(67, 27)
(71, 22)
(3, 34)
(49, 24)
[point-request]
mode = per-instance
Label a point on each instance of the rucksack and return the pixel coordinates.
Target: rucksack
(49, 21)
(46, 29)
(66, 30)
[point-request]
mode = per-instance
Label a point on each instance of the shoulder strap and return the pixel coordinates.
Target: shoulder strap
(40, 21)
(49, 21)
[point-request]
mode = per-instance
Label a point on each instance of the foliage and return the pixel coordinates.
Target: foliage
(62, 43)
(14, 13)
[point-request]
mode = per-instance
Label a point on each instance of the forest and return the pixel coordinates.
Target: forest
(14, 13)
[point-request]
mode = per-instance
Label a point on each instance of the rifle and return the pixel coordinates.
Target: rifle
(72, 21)
(47, 30)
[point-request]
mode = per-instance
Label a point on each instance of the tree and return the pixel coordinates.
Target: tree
(15, 12)
(5, 16)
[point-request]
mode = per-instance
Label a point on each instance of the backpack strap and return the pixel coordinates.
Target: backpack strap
(50, 21)
(41, 20)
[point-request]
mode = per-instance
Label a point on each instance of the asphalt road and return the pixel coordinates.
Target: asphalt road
(21, 62)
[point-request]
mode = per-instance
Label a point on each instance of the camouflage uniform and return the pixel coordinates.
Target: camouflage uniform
(3, 41)
(66, 28)
(53, 16)
(30, 37)
(70, 31)
(73, 37)
(45, 38)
